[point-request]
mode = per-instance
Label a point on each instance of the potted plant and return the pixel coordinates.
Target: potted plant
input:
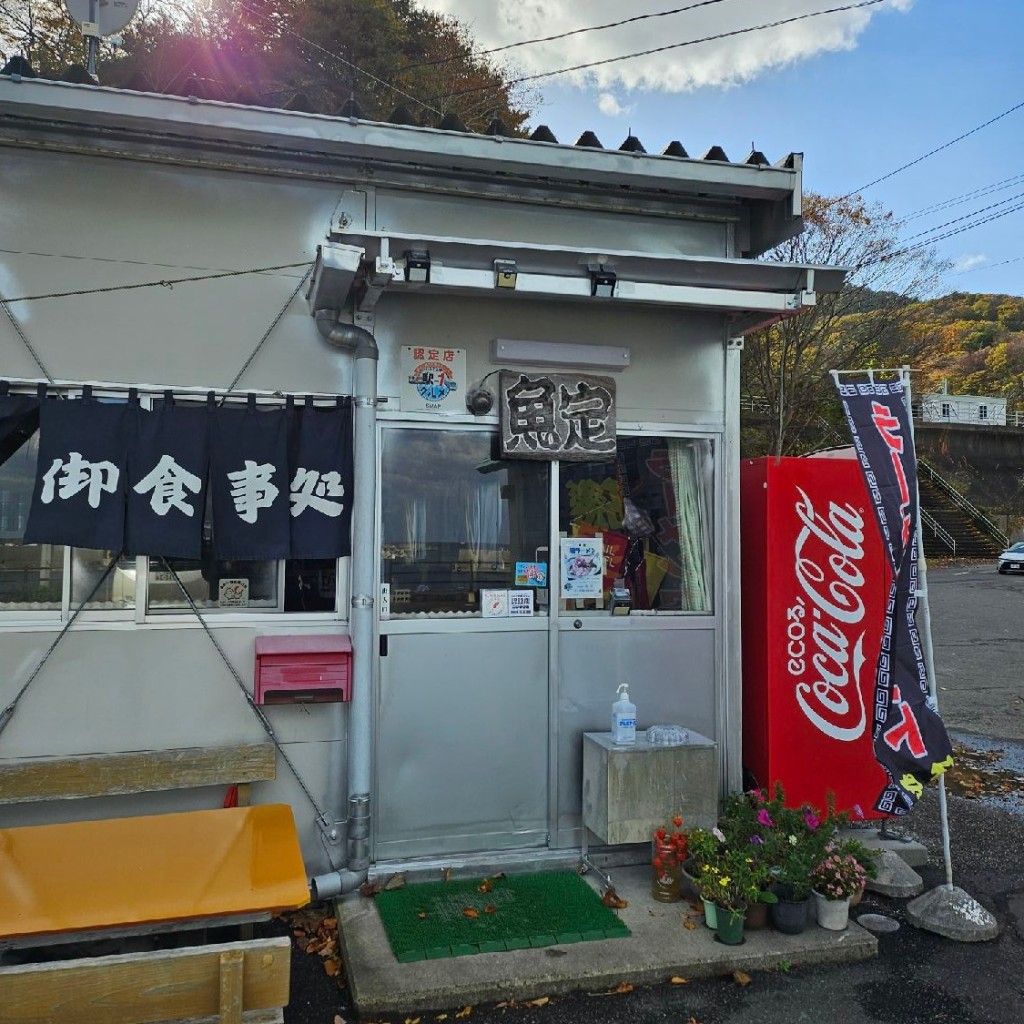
(702, 849)
(735, 888)
(836, 878)
(668, 851)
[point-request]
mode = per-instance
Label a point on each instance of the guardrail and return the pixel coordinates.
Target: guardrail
(979, 518)
(939, 531)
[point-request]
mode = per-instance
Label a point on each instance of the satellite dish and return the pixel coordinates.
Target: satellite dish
(110, 15)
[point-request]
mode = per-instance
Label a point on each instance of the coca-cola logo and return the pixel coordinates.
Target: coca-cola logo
(825, 645)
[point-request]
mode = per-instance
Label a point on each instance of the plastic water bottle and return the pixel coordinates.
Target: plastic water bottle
(623, 718)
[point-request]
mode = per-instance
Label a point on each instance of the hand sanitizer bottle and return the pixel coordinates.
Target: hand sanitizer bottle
(623, 718)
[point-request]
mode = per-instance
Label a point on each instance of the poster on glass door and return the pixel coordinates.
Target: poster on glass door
(582, 562)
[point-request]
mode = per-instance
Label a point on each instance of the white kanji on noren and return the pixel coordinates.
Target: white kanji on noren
(252, 490)
(76, 475)
(311, 489)
(168, 481)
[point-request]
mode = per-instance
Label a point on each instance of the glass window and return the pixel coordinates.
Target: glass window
(650, 508)
(31, 575)
(982, 412)
(115, 593)
(456, 519)
(305, 585)
(946, 411)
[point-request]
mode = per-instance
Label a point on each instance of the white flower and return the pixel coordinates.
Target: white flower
(718, 834)
(792, 840)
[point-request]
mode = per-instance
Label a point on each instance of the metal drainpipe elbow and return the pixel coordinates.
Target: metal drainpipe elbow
(357, 340)
(336, 883)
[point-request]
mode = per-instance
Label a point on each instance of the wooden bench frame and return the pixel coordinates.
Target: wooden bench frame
(235, 982)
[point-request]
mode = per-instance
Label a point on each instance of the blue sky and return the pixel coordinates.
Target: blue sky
(859, 93)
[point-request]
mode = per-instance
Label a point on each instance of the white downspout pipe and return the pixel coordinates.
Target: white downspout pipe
(363, 347)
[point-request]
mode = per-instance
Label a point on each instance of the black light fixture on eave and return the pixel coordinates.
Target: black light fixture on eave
(602, 283)
(417, 266)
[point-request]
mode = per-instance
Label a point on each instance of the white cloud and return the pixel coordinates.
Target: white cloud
(969, 261)
(610, 106)
(720, 63)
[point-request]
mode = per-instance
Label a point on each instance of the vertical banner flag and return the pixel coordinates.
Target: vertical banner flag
(910, 740)
(249, 477)
(79, 493)
(320, 475)
(167, 468)
(19, 420)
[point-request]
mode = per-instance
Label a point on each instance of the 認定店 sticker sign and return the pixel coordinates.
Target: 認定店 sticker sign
(433, 379)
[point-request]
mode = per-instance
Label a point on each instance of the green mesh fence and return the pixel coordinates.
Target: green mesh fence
(429, 921)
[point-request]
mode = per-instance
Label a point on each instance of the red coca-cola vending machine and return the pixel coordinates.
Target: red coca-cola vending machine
(815, 581)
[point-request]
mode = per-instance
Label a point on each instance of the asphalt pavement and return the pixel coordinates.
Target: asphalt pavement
(918, 977)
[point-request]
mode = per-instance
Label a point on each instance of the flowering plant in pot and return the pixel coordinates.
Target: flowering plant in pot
(668, 851)
(837, 878)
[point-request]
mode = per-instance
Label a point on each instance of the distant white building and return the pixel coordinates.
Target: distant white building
(942, 407)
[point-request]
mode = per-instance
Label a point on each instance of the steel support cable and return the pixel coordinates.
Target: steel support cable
(24, 340)
(256, 709)
(266, 334)
(8, 712)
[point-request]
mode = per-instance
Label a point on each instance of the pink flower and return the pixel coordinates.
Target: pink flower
(764, 818)
(857, 811)
(811, 820)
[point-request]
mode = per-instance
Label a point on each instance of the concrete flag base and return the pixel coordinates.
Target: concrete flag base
(948, 910)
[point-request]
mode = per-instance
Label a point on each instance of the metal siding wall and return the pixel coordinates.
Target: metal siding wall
(122, 214)
(676, 372)
(542, 224)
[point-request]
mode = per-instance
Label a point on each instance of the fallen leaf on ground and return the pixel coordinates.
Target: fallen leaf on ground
(464, 1012)
(446, 875)
(539, 1001)
(612, 899)
(485, 886)
(689, 924)
(676, 980)
(338, 1019)
(396, 881)
(741, 978)
(330, 922)
(332, 967)
(369, 888)
(422, 915)
(622, 987)
(505, 1004)
(490, 908)
(471, 912)
(412, 1020)
(441, 1016)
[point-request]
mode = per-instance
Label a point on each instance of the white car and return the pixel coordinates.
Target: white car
(1012, 559)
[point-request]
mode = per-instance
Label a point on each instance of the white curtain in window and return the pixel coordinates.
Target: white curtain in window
(691, 479)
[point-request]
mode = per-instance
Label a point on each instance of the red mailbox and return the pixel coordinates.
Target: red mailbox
(303, 669)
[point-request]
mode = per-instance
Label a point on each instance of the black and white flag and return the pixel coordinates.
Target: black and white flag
(168, 462)
(79, 492)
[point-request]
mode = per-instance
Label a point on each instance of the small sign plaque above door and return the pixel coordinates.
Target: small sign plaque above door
(556, 416)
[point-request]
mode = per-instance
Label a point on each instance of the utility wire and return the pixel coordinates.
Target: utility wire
(153, 284)
(561, 35)
(977, 193)
(966, 216)
(24, 340)
(931, 152)
(989, 266)
(676, 46)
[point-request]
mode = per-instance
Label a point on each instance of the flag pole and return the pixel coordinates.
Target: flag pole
(946, 909)
(925, 622)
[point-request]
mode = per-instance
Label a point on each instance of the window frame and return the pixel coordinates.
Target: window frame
(140, 614)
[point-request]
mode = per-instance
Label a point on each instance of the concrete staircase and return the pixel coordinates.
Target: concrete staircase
(954, 523)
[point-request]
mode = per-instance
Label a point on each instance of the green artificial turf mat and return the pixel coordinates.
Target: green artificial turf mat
(428, 921)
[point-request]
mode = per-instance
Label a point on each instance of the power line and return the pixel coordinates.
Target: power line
(946, 204)
(676, 46)
(561, 35)
(990, 266)
(931, 152)
(342, 60)
(966, 216)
